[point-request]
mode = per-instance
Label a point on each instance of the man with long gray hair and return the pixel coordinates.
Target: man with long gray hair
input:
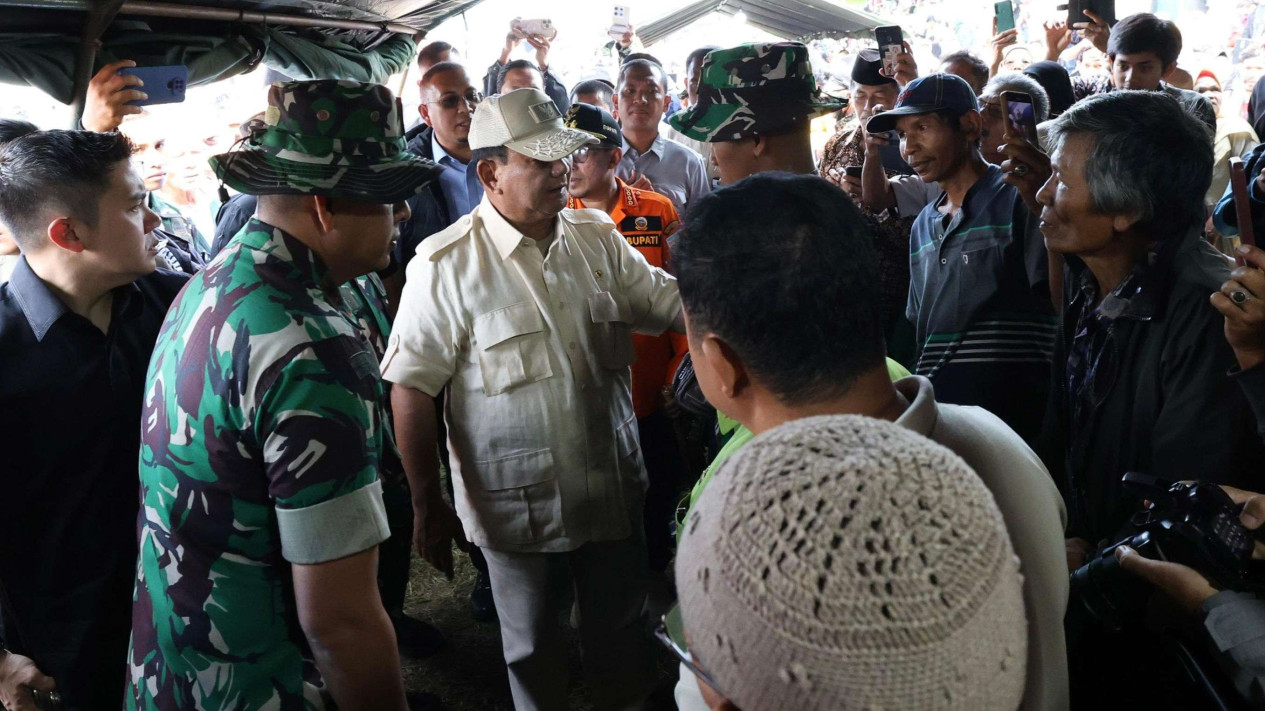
(1140, 363)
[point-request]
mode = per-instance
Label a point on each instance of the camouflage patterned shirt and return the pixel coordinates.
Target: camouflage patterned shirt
(260, 446)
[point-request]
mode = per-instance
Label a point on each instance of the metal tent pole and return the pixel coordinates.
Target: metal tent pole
(100, 16)
(193, 12)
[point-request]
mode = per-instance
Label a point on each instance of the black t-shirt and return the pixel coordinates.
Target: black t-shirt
(70, 405)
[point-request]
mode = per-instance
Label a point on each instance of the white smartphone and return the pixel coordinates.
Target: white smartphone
(535, 28)
(620, 22)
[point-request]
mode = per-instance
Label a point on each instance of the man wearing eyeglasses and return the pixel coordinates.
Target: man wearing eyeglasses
(646, 219)
(448, 101)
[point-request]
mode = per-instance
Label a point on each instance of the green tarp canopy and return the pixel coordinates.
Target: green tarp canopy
(40, 39)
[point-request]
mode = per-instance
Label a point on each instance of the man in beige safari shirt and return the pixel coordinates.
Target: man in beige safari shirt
(523, 311)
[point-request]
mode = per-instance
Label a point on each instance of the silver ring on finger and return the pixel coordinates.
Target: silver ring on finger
(1239, 296)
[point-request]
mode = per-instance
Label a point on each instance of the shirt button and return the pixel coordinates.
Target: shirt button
(944, 261)
(571, 345)
(561, 304)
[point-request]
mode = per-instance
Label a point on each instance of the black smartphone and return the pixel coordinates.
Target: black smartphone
(1020, 115)
(891, 42)
(1104, 9)
(853, 170)
(1005, 14)
(165, 85)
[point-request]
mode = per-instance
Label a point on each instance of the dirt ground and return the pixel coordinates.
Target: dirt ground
(469, 673)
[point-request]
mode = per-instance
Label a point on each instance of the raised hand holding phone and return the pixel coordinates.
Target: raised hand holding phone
(110, 97)
(1003, 37)
(1242, 301)
(1100, 16)
(1026, 167)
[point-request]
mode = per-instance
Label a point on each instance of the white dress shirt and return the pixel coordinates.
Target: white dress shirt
(534, 352)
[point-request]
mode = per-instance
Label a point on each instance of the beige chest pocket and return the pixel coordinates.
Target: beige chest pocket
(612, 329)
(511, 347)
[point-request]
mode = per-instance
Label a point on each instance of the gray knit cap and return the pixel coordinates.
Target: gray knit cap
(843, 562)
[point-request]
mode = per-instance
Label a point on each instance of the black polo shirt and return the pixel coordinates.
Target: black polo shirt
(70, 407)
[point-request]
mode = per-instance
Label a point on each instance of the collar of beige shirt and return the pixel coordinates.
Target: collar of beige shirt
(505, 236)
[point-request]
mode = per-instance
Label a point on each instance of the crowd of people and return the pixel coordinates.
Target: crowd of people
(836, 429)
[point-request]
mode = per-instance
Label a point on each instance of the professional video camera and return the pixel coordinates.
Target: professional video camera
(1196, 525)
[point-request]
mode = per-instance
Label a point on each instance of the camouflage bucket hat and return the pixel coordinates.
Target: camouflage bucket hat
(328, 137)
(753, 88)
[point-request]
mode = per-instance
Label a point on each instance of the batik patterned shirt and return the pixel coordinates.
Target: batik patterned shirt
(260, 445)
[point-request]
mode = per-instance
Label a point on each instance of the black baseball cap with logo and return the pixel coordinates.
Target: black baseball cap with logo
(927, 95)
(597, 122)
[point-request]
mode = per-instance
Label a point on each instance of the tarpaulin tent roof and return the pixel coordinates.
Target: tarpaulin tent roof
(789, 19)
(46, 43)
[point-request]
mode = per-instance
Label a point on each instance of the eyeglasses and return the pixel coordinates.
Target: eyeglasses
(583, 154)
(450, 102)
(673, 618)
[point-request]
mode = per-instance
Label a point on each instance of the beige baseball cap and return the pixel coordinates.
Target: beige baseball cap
(525, 121)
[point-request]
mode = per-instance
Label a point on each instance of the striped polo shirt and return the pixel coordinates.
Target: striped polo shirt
(979, 301)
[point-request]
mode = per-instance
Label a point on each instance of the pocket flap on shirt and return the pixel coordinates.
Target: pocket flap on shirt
(505, 323)
(516, 470)
(605, 307)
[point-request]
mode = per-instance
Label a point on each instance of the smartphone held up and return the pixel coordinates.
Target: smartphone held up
(891, 43)
(1104, 9)
(1242, 205)
(164, 85)
(1004, 11)
(1021, 120)
(542, 28)
(621, 23)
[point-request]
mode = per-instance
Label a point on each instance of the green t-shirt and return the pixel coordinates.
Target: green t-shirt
(739, 438)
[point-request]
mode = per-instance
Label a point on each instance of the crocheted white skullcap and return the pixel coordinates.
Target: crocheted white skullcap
(843, 562)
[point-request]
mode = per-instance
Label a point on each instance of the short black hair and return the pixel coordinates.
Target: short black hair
(430, 53)
(500, 154)
(511, 66)
(65, 169)
(639, 56)
(979, 70)
(440, 68)
(794, 291)
(697, 56)
(593, 86)
(11, 129)
(649, 64)
(1145, 32)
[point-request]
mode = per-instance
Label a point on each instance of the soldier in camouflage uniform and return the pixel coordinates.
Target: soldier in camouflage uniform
(264, 428)
(753, 89)
(182, 248)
